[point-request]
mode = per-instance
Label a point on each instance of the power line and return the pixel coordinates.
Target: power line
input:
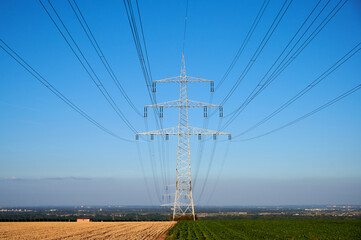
(153, 164)
(47, 84)
(312, 36)
(111, 73)
(97, 82)
(244, 43)
(161, 147)
(144, 43)
(209, 165)
(208, 171)
(314, 83)
(220, 170)
(280, 68)
(143, 172)
(145, 65)
(256, 54)
(251, 96)
(235, 59)
(286, 46)
(333, 101)
(100, 53)
(259, 49)
(200, 148)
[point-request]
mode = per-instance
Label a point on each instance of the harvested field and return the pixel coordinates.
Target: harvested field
(85, 230)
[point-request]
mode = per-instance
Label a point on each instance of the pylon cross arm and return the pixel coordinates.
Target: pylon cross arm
(180, 79)
(197, 131)
(181, 131)
(188, 103)
(178, 204)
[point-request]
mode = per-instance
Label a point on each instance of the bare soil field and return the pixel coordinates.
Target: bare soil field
(84, 230)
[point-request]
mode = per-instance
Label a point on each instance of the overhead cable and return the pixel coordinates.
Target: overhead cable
(95, 79)
(259, 49)
(100, 53)
(310, 86)
(333, 101)
(244, 43)
(286, 62)
(48, 85)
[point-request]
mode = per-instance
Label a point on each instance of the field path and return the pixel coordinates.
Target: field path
(84, 230)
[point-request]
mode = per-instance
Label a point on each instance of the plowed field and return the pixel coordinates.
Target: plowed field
(90, 230)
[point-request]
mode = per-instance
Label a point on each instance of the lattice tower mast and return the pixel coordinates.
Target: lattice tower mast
(183, 201)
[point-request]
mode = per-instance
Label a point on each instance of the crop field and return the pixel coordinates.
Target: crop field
(267, 229)
(85, 230)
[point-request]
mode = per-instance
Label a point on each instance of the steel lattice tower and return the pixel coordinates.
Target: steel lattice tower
(183, 202)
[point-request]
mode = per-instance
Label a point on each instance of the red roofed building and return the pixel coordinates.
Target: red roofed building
(83, 220)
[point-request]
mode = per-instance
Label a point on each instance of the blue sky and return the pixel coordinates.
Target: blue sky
(47, 147)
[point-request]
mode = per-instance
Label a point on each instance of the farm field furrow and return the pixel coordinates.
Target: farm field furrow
(86, 230)
(267, 229)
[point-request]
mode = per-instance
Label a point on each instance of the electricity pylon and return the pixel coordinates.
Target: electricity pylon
(183, 202)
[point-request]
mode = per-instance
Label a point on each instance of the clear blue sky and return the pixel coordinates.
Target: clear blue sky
(50, 155)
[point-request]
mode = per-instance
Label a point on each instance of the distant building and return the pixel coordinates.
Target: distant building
(83, 220)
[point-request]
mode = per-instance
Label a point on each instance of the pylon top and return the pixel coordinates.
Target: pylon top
(183, 67)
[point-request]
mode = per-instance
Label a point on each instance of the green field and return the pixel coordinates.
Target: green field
(267, 229)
